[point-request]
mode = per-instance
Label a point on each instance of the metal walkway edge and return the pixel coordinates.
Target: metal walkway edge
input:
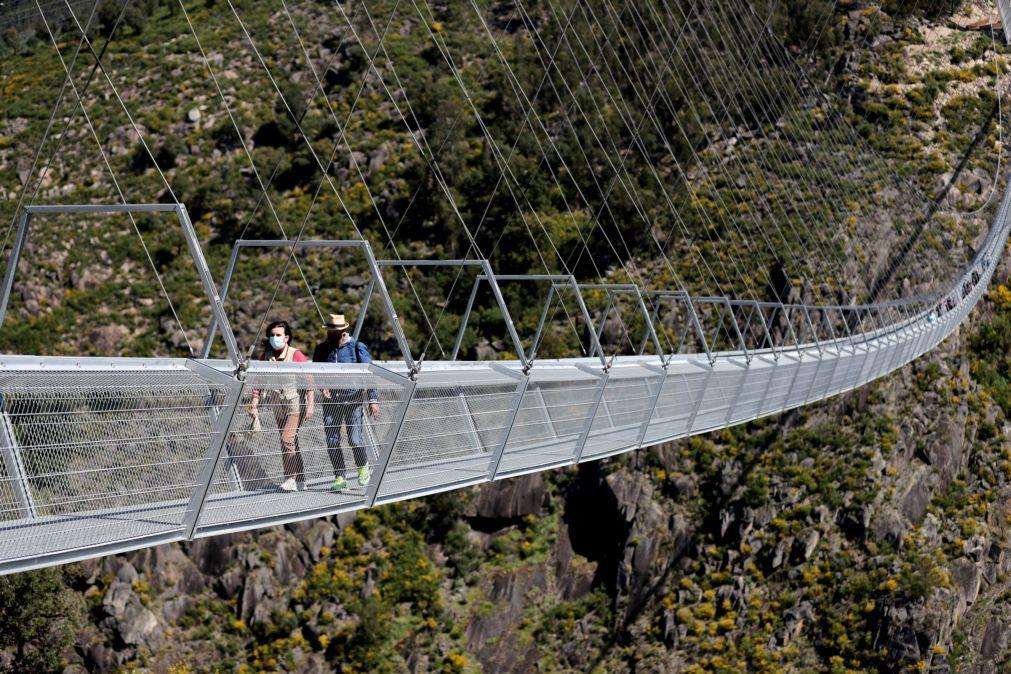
(105, 455)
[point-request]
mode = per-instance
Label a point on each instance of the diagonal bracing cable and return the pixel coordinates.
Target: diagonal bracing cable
(496, 153)
(49, 127)
(545, 161)
(354, 160)
(694, 72)
(119, 98)
(425, 151)
(620, 173)
(637, 138)
(115, 181)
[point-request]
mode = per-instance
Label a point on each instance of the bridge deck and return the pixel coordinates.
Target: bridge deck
(106, 455)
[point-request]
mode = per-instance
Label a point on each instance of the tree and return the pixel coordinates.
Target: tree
(13, 40)
(39, 615)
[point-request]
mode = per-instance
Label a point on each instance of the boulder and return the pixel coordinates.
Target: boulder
(889, 526)
(574, 574)
(86, 279)
(346, 519)
(805, 545)
(174, 609)
(379, 158)
(994, 641)
(212, 555)
(127, 574)
(256, 603)
(106, 339)
(966, 579)
(320, 534)
(915, 501)
(129, 619)
(653, 537)
(353, 281)
(509, 499)
(945, 448)
(288, 565)
(778, 554)
(485, 351)
(99, 658)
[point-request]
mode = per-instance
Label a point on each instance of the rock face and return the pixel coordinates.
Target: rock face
(258, 591)
(493, 637)
(654, 537)
(107, 339)
(509, 499)
(127, 617)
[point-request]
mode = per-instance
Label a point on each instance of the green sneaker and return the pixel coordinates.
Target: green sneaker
(339, 484)
(364, 475)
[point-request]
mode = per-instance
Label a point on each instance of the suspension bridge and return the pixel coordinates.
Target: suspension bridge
(101, 455)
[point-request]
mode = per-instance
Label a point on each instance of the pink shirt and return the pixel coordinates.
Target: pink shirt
(297, 357)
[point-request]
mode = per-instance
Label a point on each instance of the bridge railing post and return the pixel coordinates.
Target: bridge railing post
(810, 325)
(226, 282)
(615, 290)
(690, 425)
(652, 405)
(523, 382)
(220, 320)
(189, 235)
(12, 261)
(410, 386)
(588, 426)
(212, 458)
(204, 272)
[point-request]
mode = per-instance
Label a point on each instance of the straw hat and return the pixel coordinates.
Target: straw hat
(336, 322)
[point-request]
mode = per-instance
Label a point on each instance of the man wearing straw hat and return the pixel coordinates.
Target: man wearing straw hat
(343, 408)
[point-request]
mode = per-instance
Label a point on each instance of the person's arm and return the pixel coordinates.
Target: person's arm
(254, 405)
(310, 393)
(365, 357)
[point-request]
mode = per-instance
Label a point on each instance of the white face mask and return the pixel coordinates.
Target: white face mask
(277, 342)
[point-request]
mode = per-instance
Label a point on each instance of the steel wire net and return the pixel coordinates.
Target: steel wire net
(720, 396)
(454, 425)
(551, 419)
(678, 401)
(341, 435)
(103, 456)
(626, 406)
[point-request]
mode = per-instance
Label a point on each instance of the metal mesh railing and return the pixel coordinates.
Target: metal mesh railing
(552, 419)
(626, 406)
(456, 422)
(107, 455)
(283, 464)
(94, 458)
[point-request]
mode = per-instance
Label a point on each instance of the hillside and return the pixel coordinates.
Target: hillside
(866, 533)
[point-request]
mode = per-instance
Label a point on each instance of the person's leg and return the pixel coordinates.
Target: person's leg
(299, 460)
(357, 435)
(332, 431)
(290, 458)
(280, 417)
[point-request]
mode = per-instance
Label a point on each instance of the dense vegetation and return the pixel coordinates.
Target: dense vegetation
(734, 227)
(837, 538)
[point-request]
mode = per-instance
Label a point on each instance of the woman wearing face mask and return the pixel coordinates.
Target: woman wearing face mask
(286, 404)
